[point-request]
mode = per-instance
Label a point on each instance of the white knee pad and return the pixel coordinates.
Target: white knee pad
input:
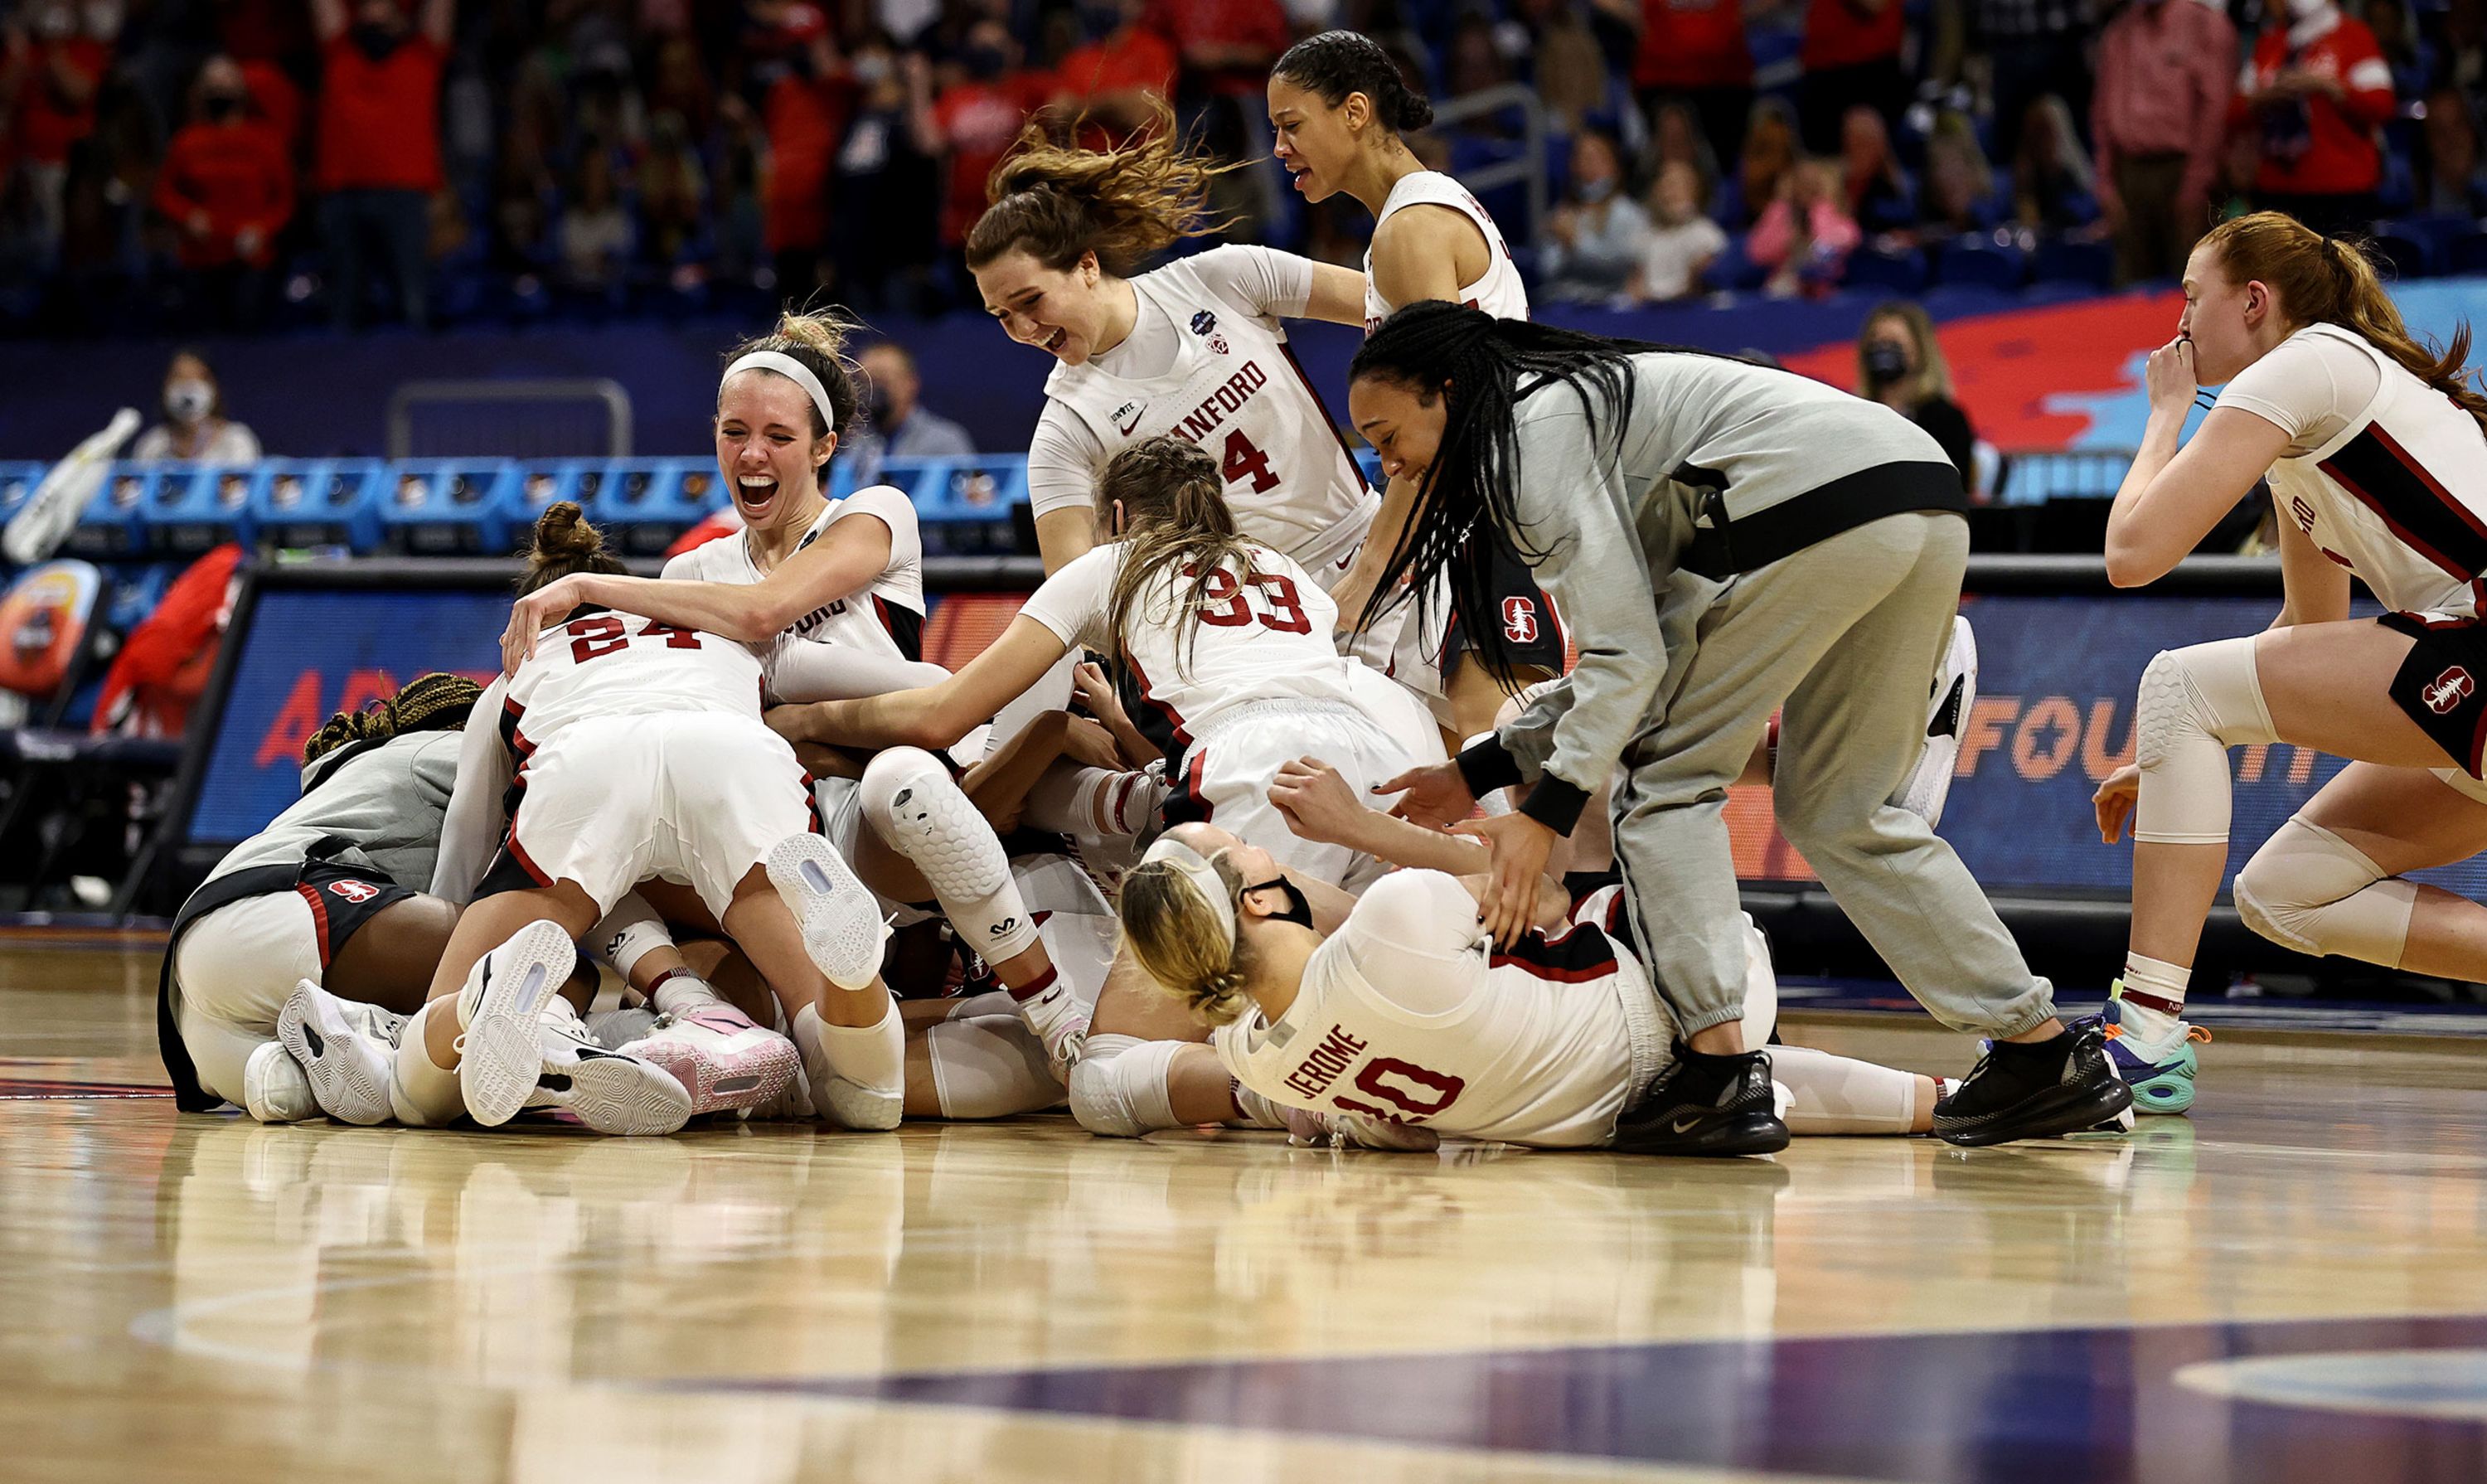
(2195, 703)
(989, 1066)
(2311, 890)
(1830, 1094)
(1119, 1086)
(909, 798)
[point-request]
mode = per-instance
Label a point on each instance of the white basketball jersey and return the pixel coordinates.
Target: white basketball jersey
(1499, 293)
(1409, 1014)
(1236, 390)
(1264, 635)
(618, 664)
(2399, 496)
(885, 618)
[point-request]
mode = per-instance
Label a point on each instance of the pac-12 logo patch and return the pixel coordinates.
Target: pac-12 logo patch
(2449, 689)
(1519, 619)
(356, 892)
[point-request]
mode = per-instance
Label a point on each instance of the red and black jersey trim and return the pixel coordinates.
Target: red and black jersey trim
(1577, 955)
(904, 626)
(1161, 723)
(2387, 479)
(1331, 423)
(513, 733)
(1188, 803)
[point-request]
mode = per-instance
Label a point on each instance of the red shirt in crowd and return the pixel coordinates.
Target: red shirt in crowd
(1849, 33)
(47, 125)
(1693, 44)
(1246, 36)
(1141, 59)
(979, 120)
(238, 176)
(379, 122)
(805, 116)
(2339, 155)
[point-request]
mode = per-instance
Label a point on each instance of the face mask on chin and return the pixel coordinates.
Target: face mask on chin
(188, 401)
(1594, 191)
(1299, 910)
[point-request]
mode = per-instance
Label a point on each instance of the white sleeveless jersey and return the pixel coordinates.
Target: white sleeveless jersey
(2399, 496)
(1236, 390)
(1499, 293)
(1408, 1013)
(618, 664)
(885, 618)
(1264, 635)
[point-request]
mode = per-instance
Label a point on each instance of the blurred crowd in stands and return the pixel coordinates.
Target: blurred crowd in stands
(220, 164)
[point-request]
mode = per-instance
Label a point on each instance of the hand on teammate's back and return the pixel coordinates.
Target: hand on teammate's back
(1438, 797)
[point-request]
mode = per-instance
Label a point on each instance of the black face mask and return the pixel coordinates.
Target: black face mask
(1300, 911)
(1886, 363)
(376, 41)
(223, 107)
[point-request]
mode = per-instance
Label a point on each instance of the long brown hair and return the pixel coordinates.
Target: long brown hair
(1174, 502)
(2323, 280)
(1055, 201)
(564, 544)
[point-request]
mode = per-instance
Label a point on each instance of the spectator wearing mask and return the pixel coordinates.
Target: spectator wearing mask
(2318, 89)
(1116, 78)
(1805, 236)
(2160, 117)
(195, 429)
(227, 188)
(1851, 56)
(54, 76)
(898, 424)
(888, 188)
(1901, 365)
(1683, 242)
(1879, 192)
(2453, 183)
(379, 146)
(803, 111)
(1595, 240)
(979, 113)
(1694, 53)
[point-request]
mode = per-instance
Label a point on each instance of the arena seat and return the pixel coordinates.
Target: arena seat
(645, 503)
(1902, 273)
(2467, 254)
(318, 502)
(108, 529)
(2066, 259)
(1979, 261)
(2405, 256)
(961, 505)
(450, 507)
(191, 510)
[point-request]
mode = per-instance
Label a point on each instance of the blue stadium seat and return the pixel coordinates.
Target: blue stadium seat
(1970, 261)
(450, 507)
(194, 508)
(1902, 273)
(2469, 254)
(2401, 256)
(642, 503)
(2064, 260)
(1732, 270)
(18, 479)
(2435, 232)
(131, 594)
(963, 505)
(296, 503)
(108, 529)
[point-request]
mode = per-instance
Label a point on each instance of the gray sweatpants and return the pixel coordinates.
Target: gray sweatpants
(1844, 635)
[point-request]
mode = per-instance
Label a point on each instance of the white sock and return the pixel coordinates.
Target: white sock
(683, 991)
(421, 1093)
(2161, 981)
(870, 1056)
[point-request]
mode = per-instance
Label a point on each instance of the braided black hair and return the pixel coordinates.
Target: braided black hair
(427, 703)
(1477, 364)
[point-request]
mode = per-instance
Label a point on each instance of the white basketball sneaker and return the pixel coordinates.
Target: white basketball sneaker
(841, 919)
(498, 1013)
(346, 1049)
(612, 1092)
(1955, 690)
(837, 1099)
(721, 1058)
(1059, 1020)
(273, 1089)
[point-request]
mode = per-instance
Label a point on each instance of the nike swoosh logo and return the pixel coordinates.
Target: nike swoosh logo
(1126, 429)
(1684, 1125)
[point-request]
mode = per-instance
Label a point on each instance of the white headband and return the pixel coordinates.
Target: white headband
(792, 370)
(1196, 868)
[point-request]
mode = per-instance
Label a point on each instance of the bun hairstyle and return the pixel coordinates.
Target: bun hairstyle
(1179, 938)
(1056, 201)
(564, 544)
(2324, 280)
(817, 338)
(429, 703)
(1337, 62)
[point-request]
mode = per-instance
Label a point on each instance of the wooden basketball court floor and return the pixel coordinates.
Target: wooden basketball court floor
(2291, 1285)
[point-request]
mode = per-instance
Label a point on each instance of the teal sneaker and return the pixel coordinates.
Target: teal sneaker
(2161, 1085)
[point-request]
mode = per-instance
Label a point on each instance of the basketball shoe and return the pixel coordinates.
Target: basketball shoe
(839, 917)
(2160, 1073)
(273, 1089)
(499, 1010)
(723, 1059)
(345, 1048)
(1704, 1105)
(612, 1092)
(1955, 690)
(2061, 1085)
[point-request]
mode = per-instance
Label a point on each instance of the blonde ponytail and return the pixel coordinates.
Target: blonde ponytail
(1183, 943)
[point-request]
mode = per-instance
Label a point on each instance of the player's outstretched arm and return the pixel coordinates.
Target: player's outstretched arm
(931, 716)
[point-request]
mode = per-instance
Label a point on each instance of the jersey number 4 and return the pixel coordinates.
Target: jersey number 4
(594, 638)
(1243, 461)
(1226, 604)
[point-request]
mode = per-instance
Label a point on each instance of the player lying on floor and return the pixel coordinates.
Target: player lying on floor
(1404, 1024)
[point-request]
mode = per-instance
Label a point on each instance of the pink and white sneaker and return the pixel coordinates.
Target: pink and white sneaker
(721, 1058)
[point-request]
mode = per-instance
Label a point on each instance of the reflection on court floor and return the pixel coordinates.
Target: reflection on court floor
(2291, 1285)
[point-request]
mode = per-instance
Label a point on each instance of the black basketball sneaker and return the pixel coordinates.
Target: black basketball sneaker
(2062, 1085)
(1705, 1105)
